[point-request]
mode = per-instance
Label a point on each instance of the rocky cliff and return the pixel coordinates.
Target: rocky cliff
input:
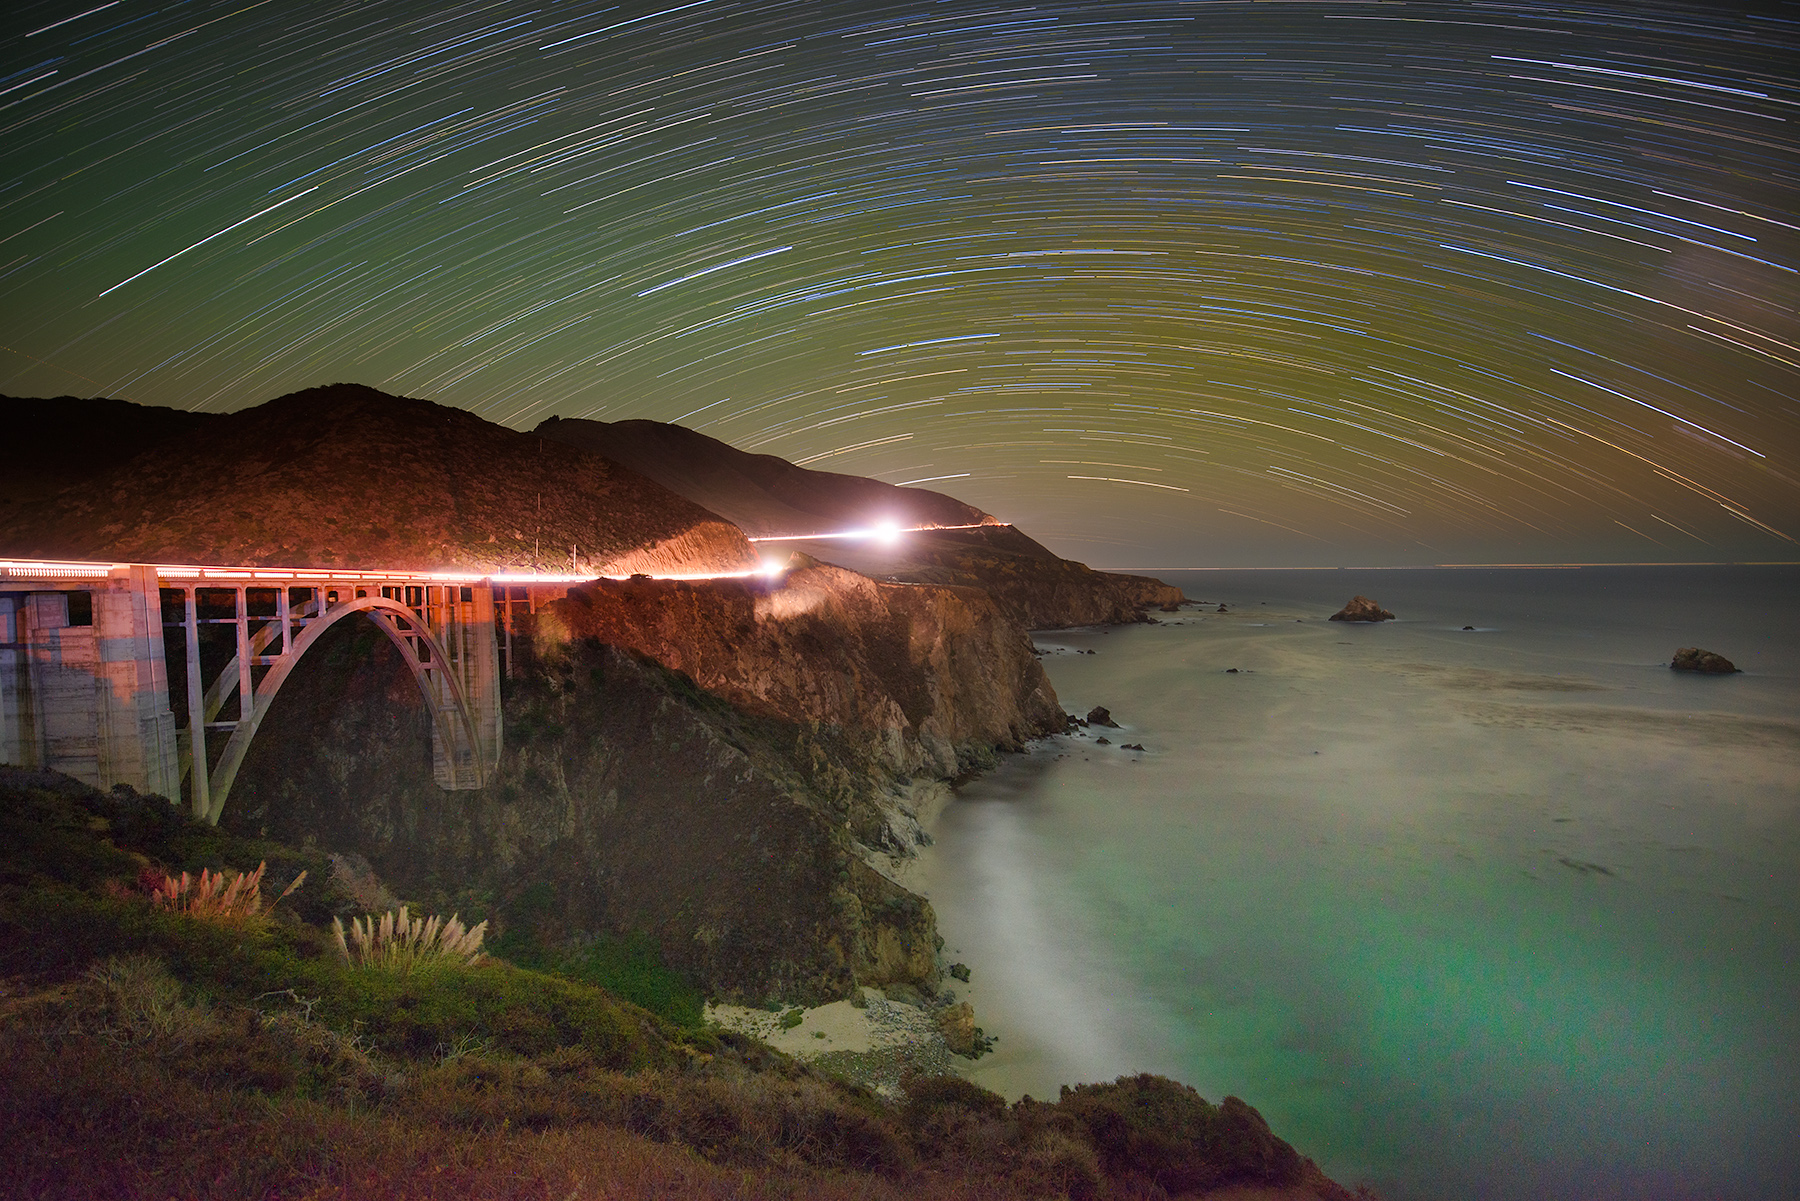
(1037, 587)
(920, 675)
(345, 476)
(736, 800)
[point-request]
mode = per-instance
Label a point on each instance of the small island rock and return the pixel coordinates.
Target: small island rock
(1692, 658)
(1361, 608)
(1100, 716)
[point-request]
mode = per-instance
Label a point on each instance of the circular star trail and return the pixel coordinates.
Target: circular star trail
(1168, 284)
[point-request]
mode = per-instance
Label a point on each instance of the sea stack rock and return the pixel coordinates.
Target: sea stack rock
(1692, 658)
(1099, 715)
(1361, 608)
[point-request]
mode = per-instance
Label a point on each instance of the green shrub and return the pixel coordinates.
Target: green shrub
(630, 968)
(1059, 1164)
(138, 1001)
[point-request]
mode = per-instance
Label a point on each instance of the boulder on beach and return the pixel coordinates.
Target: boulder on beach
(1692, 658)
(1100, 716)
(957, 1024)
(1361, 608)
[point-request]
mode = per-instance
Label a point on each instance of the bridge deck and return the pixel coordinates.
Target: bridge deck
(88, 652)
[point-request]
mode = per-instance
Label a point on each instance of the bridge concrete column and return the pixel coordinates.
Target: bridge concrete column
(18, 724)
(135, 730)
(83, 686)
(59, 682)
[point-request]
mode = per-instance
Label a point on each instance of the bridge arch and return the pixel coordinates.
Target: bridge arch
(453, 719)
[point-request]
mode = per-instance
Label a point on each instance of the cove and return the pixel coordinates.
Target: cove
(1506, 911)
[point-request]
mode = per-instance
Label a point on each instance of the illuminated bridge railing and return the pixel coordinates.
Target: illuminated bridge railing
(125, 673)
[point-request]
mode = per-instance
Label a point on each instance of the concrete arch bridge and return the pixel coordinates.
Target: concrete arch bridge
(158, 676)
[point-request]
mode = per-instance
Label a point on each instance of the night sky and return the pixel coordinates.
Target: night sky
(1175, 284)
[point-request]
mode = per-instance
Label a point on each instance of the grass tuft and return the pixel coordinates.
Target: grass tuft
(403, 944)
(225, 897)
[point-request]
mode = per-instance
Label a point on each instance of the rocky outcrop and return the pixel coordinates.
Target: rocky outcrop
(735, 800)
(1360, 608)
(1692, 658)
(1100, 715)
(930, 678)
(1040, 590)
(957, 1024)
(345, 476)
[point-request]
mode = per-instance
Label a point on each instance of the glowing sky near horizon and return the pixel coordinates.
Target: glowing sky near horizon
(1166, 284)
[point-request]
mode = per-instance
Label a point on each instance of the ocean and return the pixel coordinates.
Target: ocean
(1509, 911)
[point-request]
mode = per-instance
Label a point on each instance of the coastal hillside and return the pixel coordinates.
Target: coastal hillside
(773, 498)
(1040, 589)
(766, 495)
(162, 1039)
(725, 767)
(65, 441)
(346, 476)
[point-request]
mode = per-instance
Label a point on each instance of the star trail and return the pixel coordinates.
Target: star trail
(1169, 284)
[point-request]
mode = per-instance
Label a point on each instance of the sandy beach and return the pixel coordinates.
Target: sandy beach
(876, 1043)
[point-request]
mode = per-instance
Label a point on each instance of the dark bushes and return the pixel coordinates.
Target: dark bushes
(1154, 1129)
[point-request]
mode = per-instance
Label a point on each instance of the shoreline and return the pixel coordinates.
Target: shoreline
(876, 1041)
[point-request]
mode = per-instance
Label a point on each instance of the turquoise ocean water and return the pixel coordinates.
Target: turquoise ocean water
(1511, 911)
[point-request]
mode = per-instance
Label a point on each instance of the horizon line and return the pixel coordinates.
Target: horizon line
(1479, 566)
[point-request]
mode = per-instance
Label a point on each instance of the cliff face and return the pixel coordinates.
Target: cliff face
(732, 808)
(346, 476)
(1037, 588)
(921, 674)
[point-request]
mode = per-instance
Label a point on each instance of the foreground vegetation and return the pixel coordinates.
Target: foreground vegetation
(160, 1038)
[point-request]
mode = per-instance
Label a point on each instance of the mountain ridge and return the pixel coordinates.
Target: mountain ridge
(348, 476)
(770, 497)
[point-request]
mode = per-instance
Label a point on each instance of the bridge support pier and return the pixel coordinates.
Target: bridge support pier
(83, 685)
(84, 673)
